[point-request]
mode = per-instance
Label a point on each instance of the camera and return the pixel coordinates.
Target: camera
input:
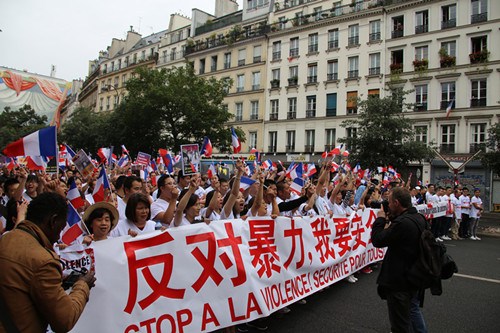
(73, 277)
(385, 206)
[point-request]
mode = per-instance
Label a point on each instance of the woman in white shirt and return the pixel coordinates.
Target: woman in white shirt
(138, 217)
(188, 208)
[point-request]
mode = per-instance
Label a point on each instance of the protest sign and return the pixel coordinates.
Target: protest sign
(190, 159)
(83, 163)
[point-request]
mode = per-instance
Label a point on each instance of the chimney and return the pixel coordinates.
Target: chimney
(53, 71)
(225, 7)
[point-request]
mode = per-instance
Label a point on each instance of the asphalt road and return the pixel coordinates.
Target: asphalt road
(470, 300)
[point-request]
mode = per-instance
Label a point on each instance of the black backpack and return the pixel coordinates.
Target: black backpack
(433, 264)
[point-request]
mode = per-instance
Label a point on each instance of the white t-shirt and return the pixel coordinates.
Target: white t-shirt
(158, 207)
(431, 198)
(124, 225)
(121, 208)
(465, 204)
(447, 199)
(473, 210)
(456, 204)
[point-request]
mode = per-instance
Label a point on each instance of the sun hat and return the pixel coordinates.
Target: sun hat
(105, 205)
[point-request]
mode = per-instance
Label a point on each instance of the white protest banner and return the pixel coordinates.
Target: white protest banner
(76, 260)
(200, 277)
(432, 210)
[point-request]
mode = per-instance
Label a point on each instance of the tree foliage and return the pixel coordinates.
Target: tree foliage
(492, 157)
(17, 124)
(384, 136)
(170, 107)
(86, 130)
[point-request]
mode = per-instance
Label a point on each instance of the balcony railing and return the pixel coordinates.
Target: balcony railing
(312, 79)
(397, 33)
(257, 59)
(294, 52)
(375, 36)
(476, 18)
(310, 113)
(479, 57)
(352, 74)
(352, 110)
(240, 89)
(276, 55)
(271, 149)
(309, 148)
(293, 81)
(353, 41)
(238, 117)
(477, 102)
(374, 71)
(213, 68)
(332, 76)
(421, 107)
(312, 48)
(273, 116)
(333, 44)
(291, 115)
(448, 148)
(255, 86)
(275, 83)
(254, 116)
(449, 24)
(444, 105)
(332, 112)
(227, 65)
(420, 29)
(396, 68)
(241, 62)
(290, 148)
(475, 147)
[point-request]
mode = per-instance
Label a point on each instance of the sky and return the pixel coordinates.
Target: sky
(36, 34)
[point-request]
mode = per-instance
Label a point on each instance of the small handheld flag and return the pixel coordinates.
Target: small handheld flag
(235, 141)
(206, 148)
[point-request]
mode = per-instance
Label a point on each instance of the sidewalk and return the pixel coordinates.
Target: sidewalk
(489, 225)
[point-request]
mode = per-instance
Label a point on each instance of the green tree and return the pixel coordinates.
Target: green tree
(384, 136)
(491, 158)
(86, 130)
(16, 124)
(169, 107)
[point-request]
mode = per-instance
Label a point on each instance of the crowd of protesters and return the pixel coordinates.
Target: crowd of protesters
(135, 206)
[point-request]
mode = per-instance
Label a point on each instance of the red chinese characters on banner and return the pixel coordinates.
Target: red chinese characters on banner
(342, 235)
(357, 232)
(372, 217)
(322, 233)
(233, 243)
(295, 233)
(158, 288)
(262, 247)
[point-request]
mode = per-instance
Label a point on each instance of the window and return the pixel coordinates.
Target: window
(116, 101)
(309, 147)
(124, 79)
(241, 57)
(239, 112)
(115, 81)
(127, 60)
(373, 93)
(294, 47)
(352, 102)
(134, 59)
(276, 74)
(227, 60)
(375, 31)
(329, 139)
(448, 16)
(478, 93)
(292, 108)
(479, 11)
(257, 50)
(275, 106)
(422, 52)
(240, 83)
(143, 55)
(333, 39)
(226, 85)
(447, 95)
(312, 73)
(478, 44)
(252, 141)
(101, 103)
(276, 50)
(332, 70)
(254, 110)
(478, 137)
(273, 140)
(447, 139)
(256, 81)
(293, 76)
(331, 105)
(422, 22)
(396, 61)
(353, 39)
(374, 64)
(107, 102)
(317, 13)
(290, 141)
(202, 66)
(398, 24)
(113, 66)
(311, 106)
(213, 66)
(313, 43)
(421, 134)
(450, 48)
(353, 67)
(421, 97)
(351, 134)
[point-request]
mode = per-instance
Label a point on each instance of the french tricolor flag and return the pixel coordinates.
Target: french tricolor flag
(235, 141)
(267, 164)
(73, 229)
(296, 185)
(311, 169)
(123, 161)
(101, 184)
(36, 162)
(295, 171)
(206, 148)
(211, 172)
(39, 143)
(74, 195)
(245, 183)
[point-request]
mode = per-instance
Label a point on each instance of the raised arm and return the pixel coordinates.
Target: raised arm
(233, 195)
(193, 185)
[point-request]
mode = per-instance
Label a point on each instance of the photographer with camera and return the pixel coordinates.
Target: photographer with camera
(31, 294)
(396, 228)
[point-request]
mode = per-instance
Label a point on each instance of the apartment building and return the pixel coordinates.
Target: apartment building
(172, 49)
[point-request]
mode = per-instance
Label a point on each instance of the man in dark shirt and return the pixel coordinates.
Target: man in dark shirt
(398, 231)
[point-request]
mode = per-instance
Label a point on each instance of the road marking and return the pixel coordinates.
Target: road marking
(477, 278)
